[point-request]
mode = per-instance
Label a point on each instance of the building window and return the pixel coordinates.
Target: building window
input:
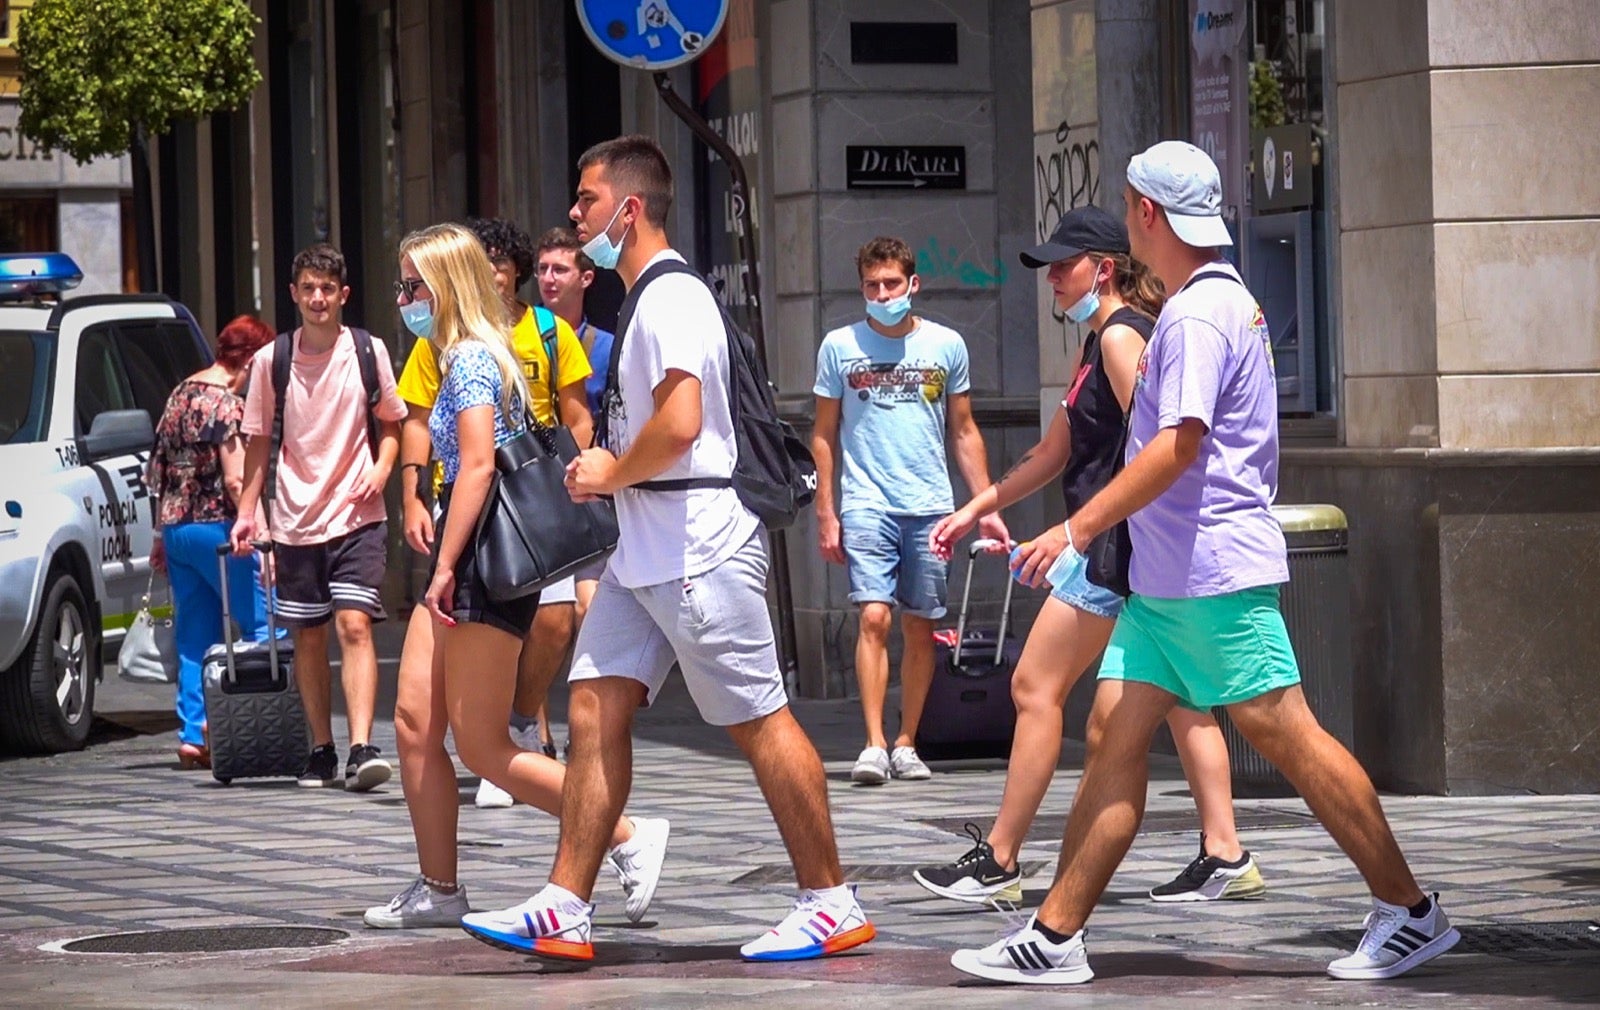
(28, 224)
(1258, 89)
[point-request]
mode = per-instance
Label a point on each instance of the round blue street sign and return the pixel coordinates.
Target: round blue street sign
(652, 34)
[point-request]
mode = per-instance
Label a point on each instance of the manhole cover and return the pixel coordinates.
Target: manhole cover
(858, 872)
(1528, 941)
(207, 940)
(1049, 829)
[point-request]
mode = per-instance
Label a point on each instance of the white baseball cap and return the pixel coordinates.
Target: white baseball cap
(1184, 181)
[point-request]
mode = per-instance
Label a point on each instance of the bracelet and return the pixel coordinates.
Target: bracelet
(406, 466)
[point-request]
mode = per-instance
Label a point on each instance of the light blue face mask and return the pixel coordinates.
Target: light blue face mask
(418, 317)
(889, 313)
(601, 249)
(1084, 308)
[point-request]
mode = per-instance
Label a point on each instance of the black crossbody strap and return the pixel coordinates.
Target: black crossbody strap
(1208, 275)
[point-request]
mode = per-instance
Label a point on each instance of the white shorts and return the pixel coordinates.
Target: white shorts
(714, 625)
(565, 591)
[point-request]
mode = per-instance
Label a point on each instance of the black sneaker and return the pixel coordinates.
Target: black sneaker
(975, 877)
(322, 768)
(365, 769)
(1208, 878)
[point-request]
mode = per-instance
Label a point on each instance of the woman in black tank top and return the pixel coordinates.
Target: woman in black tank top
(1098, 285)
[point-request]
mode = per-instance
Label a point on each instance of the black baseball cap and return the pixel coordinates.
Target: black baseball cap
(1080, 229)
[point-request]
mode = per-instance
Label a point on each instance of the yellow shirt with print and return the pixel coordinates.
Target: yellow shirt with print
(419, 380)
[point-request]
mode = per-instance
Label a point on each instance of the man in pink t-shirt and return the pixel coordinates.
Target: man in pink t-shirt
(326, 518)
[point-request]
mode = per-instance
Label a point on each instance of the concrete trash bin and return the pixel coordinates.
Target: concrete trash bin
(1316, 609)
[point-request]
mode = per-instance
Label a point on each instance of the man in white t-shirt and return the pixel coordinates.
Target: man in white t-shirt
(686, 584)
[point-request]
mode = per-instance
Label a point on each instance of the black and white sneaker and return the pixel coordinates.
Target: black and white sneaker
(976, 877)
(1397, 941)
(322, 769)
(1028, 957)
(365, 770)
(1208, 878)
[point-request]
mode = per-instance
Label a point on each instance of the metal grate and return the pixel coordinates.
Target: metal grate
(207, 940)
(855, 872)
(1049, 829)
(1537, 942)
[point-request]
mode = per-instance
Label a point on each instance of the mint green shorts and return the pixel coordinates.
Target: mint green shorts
(1206, 650)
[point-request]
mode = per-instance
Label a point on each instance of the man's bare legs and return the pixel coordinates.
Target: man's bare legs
(358, 672)
(1106, 812)
(1334, 786)
(796, 790)
(543, 652)
(599, 776)
(916, 674)
(872, 668)
(314, 677)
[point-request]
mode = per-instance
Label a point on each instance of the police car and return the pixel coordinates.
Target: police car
(81, 382)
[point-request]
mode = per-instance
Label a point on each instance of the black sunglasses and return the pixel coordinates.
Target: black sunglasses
(408, 289)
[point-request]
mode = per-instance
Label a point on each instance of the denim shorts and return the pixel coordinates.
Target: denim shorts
(890, 561)
(1084, 595)
(1206, 650)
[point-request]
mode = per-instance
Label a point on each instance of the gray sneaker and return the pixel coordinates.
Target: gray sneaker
(872, 767)
(905, 764)
(419, 905)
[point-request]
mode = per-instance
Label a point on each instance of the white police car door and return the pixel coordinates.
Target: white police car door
(113, 491)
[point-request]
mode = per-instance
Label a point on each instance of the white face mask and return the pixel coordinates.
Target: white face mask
(601, 249)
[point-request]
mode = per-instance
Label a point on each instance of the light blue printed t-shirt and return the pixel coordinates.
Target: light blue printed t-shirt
(471, 379)
(893, 393)
(1212, 532)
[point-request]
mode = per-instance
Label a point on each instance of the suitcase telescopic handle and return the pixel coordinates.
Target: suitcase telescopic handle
(224, 550)
(979, 547)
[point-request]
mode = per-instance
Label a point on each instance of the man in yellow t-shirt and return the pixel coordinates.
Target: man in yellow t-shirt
(510, 250)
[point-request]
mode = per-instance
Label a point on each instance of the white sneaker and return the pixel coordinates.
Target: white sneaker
(813, 929)
(872, 767)
(491, 796)
(1027, 957)
(905, 764)
(529, 739)
(419, 905)
(543, 925)
(1396, 942)
(638, 863)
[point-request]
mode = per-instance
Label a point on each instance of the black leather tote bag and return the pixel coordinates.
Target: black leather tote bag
(531, 534)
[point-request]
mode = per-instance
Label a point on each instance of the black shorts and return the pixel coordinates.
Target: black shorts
(471, 603)
(343, 574)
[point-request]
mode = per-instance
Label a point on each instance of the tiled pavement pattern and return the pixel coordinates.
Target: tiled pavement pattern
(115, 838)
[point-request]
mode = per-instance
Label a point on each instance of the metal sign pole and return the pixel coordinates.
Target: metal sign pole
(788, 649)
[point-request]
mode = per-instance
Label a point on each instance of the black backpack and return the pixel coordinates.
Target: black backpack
(282, 359)
(773, 473)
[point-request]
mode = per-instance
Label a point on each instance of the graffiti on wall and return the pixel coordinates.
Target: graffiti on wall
(1066, 175)
(936, 261)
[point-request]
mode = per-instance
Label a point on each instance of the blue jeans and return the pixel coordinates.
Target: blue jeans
(197, 609)
(890, 561)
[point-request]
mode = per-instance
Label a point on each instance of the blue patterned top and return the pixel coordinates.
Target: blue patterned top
(471, 379)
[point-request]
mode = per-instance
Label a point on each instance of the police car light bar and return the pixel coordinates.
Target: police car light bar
(28, 275)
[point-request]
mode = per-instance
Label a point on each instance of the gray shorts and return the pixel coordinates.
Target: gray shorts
(565, 591)
(715, 625)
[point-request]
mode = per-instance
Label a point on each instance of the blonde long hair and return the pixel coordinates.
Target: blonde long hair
(467, 305)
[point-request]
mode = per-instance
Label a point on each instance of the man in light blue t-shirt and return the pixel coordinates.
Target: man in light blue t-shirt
(888, 388)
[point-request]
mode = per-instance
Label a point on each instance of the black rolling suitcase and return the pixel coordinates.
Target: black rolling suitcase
(256, 723)
(969, 713)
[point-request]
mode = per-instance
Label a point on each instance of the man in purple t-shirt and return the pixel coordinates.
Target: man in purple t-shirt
(1203, 626)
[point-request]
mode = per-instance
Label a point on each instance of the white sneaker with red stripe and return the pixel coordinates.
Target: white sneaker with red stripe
(546, 925)
(816, 928)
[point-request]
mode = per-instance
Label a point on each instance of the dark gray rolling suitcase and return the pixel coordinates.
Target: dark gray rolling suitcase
(256, 723)
(969, 713)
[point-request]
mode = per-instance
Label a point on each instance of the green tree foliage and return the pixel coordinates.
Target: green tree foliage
(100, 75)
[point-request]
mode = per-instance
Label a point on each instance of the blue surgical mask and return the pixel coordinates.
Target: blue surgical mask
(1084, 308)
(601, 249)
(418, 317)
(889, 313)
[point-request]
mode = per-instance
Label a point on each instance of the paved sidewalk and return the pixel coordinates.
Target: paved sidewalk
(115, 838)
